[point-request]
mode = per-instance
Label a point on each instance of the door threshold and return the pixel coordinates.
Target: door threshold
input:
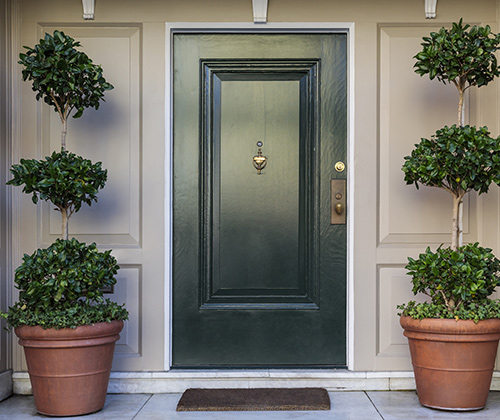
(251, 368)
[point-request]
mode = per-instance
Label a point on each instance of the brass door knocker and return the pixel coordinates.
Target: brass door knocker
(259, 161)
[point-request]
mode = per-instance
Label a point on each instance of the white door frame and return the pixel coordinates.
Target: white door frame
(309, 27)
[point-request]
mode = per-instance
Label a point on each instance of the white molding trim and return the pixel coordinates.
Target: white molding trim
(88, 9)
(11, 25)
(179, 381)
(14, 197)
(309, 27)
(259, 11)
(168, 217)
(430, 9)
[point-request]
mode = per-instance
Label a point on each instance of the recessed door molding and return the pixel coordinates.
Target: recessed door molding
(213, 295)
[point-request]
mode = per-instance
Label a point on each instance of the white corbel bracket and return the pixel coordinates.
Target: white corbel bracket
(259, 11)
(430, 9)
(88, 9)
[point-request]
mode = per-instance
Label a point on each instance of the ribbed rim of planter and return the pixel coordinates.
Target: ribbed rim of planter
(101, 329)
(450, 326)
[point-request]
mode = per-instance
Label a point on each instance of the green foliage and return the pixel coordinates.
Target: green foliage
(64, 77)
(454, 280)
(79, 314)
(476, 311)
(64, 272)
(65, 179)
(463, 55)
(64, 282)
(455, 158)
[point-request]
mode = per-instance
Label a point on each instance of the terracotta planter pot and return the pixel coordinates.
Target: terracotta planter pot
(69, 368)
(453, 361)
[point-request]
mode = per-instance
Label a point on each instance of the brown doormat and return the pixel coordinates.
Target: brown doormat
(254, 399)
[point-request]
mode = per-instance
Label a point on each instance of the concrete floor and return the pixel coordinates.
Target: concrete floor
(355, 405)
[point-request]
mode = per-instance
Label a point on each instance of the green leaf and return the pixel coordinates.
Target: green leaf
(79, 113)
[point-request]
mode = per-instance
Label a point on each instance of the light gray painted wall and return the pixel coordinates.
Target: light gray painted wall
(392, 107)
(5, 377)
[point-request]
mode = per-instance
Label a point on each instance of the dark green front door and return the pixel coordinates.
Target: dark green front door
(259, 270)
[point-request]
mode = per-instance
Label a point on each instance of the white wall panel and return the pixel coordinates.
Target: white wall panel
(412, 107)
(128, 290)
(110, 135)
(393, 288)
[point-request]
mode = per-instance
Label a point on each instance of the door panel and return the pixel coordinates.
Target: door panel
(259, 271)
(253, 206)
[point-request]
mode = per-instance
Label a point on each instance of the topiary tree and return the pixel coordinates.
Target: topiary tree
(459, 158)
(67, 80)
(62, 286)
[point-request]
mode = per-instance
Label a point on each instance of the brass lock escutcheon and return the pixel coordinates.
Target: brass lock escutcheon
(338, 202)
(340, 166)
(259, 161)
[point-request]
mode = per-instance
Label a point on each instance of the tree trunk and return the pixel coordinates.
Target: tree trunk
(63, 133)
(460, 107)
(461, 222)
(458, 232)
(456, 229)
(65, 220)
